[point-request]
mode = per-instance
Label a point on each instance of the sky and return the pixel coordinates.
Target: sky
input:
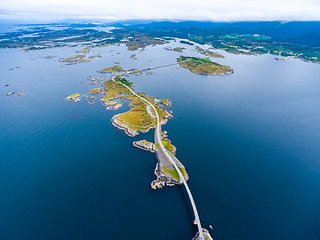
(210, 10)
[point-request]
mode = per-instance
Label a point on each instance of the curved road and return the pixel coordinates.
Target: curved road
(157, 136)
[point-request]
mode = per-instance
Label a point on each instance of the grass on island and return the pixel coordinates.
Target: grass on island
(145, 141)
(114, 90)
(165, 102)
(137, 117)
(174, 173)
(84, 50)
(167, 145)
(95, 90)
(72, 96)
(178, 49)
(133, 56)
(203, 66)
(124, 81)
(112, 69)
(80, 60)
(135, 71)
(69, 59)
(76, 59)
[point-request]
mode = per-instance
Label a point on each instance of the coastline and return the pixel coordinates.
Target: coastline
(129, 131)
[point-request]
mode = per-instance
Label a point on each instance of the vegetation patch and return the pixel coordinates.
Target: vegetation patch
(74, 60)
(203, 66)
(73, 96)
(84, 50)
(112, 69)
(137, 117)
(95, 90)
(176, 49)
(124, 81)
(173, 172)
(133, 56)
(166, 102)
(168, 145)
(114, 90)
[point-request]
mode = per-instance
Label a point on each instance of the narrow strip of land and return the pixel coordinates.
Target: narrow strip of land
(168, 155)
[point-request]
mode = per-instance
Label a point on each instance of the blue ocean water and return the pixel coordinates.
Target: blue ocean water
(249, 142)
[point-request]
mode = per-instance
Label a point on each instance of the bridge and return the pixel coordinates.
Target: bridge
(169, 156)
(152, 68)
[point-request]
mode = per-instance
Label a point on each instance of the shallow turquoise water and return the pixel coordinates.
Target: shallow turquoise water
(249, 142)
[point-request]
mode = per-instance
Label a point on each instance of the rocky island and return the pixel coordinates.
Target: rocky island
(95, 91)
(176, 49)
(204, 66)
(74, 60)
(75, 97)
(208, 53)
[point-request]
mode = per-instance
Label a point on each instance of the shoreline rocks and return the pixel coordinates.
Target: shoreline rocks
(145, 145)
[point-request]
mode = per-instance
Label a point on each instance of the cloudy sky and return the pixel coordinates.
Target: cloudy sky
(213, 10)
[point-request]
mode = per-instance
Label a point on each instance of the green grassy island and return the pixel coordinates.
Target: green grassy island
(138, 118)
(95, 91)
(112, 69)
(204, 66)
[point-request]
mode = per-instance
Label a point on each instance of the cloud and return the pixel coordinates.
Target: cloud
(213, 10)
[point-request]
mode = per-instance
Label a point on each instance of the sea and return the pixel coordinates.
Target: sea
(249, 142)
